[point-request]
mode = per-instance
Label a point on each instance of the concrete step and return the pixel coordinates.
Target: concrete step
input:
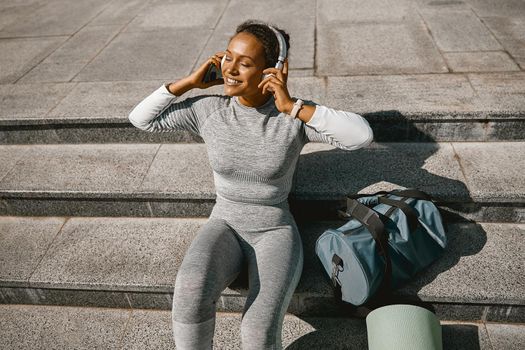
(133, 262)
(23, 326)
(471, 180)
(417, 107)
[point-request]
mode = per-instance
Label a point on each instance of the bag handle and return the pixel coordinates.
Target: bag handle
(410, 213)
(409, 192)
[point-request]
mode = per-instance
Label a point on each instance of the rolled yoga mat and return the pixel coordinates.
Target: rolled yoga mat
(403, 327)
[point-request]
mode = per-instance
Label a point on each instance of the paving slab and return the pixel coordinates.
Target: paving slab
(337, 12)
(402, 47)
(136, 260)
(510, 32)
(424, 95)
(70, 58)
(301, 32)
(115, 254)
(189, 176)
(467, 270)
(149, 55)
(23, 243)
(152, 329)
(429, 167)
(160, 15)
(483, 164)
(54, 18)
(506, 336)
(106, 101)
(11, 11)
(91, 179)
(84, 168)
(507, 8)
(458, 30)
(481, 61)
(119, 12)
(9, 156)
(19, 55)
(55, 327)
(23, 101)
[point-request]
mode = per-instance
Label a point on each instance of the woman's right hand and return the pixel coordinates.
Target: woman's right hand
(197, 76)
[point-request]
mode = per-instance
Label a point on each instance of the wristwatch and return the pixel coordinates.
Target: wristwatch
(296, 107)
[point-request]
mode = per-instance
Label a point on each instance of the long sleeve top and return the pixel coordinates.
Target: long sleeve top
(253, 151)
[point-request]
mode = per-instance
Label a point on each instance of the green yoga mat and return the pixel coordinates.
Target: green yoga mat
(403, 327)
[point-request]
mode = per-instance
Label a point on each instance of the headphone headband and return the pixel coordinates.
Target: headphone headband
(282, 48)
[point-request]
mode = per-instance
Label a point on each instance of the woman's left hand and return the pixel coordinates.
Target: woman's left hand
(276, 84)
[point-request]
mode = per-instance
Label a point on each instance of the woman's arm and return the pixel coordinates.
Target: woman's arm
(158, 112)
(345, 130)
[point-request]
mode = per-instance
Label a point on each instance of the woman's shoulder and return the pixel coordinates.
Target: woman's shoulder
(206, 104)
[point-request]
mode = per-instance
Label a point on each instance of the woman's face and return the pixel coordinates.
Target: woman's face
(244, 62)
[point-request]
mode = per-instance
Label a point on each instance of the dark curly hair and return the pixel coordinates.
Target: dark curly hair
(266, 36)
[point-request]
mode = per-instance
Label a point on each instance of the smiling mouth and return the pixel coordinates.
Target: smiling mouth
(230, 81)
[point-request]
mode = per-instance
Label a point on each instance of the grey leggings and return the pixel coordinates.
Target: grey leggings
(262, 236)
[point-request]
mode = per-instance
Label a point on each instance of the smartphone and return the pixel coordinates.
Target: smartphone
(213, 73)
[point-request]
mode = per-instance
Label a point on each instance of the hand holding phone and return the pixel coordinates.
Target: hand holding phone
(208, 74)
(214, 72)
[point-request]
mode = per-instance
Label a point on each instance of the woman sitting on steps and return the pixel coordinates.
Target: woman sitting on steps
(253, 135)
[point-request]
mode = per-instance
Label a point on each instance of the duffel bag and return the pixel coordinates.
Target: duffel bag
(389, 237)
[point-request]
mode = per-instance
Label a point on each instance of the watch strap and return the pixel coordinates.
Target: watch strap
(296, 107)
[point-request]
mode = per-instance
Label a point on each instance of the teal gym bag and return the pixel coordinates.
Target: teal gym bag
(389, 237)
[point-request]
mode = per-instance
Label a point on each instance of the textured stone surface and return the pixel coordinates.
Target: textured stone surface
(103, 100)
(23, 326)
(66, 297)
(91, 168)
(160, 15)
(465, 336)
(23, 243)
(510, 32)
(377, 48)
(506, 313)
(428, 167)
(148, 329)
(491, 61)
(115, 254)
(483, 163)
(69, 59)
(467, 271)
(451, 94)
(23, 101)
(181, 169)
(506, 336)
(54, 18)
(506, 8)
(149, 55)
(119, 12)
(19, 55)
(140, 257)
(459, 30)
(334, 12)
(9, 155)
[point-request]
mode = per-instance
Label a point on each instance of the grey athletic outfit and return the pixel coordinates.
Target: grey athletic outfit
(253, 153)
